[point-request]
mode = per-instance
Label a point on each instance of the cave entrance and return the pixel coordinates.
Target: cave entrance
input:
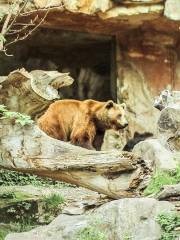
(89, 58)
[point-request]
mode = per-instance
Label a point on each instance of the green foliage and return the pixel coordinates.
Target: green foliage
(22, 119)
(92, 232)
(22, 207)
(53, 201)
(3, 233)
(52, 206)
(162, 178)
(127, 237)
(12, 178)
(168, 222)
(15, 227)
(8, 195)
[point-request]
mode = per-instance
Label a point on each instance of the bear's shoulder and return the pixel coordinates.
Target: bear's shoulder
(93, 104)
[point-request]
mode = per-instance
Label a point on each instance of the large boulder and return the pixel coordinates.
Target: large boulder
(163, 153)
(172, 9)
(158, 157)
(169, 127)
(130, 218)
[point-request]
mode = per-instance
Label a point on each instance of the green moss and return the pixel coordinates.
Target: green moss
(162, 178)
(168, 223)
(10, 198)
(93, 231)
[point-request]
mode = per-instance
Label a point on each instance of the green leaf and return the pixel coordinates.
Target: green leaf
(3, 108)
(20, 118)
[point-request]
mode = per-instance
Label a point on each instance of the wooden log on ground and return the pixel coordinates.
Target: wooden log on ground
(27, 149)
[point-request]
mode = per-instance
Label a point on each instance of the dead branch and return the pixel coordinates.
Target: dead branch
(24, 26)
(24, 32)
(18, 38)
(17, 15)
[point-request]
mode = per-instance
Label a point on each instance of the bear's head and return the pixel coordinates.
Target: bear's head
(112, 116)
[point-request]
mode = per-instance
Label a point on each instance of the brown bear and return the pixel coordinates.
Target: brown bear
(83, 123)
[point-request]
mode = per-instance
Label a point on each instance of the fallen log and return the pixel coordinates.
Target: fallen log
(27, 149)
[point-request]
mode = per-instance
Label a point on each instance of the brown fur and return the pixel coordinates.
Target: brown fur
(82, 122)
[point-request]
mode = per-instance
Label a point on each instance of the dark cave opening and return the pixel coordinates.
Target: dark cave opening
(89, 58)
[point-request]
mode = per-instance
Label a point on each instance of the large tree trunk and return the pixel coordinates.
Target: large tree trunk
(29, 150)
(32, 92)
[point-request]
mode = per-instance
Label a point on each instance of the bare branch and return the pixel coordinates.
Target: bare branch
(25, 26)
(19, 12)
(11, 27)
(30, 32)
(5, 52)
(42, 10)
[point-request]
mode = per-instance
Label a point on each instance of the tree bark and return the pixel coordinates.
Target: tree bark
(27, 149)
(32, 92)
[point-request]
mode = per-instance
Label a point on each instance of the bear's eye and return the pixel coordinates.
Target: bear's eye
(119, 115)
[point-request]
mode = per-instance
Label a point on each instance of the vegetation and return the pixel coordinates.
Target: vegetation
(52, 206)
(127, 237)
(12, 29)
(92, 232)
(12, 178)
(53, 201)
(22, 119)
(168, 223)
(24, 208)
(162, 178)
(14, 227)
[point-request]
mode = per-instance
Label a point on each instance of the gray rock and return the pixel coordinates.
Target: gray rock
(133, 217)
(172, 9)
(169, 120)
(169, 127)
(170, 191)
(167, 98)
(158, 157)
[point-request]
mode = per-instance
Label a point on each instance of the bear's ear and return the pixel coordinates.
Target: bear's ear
(109, 104)
(123, 105)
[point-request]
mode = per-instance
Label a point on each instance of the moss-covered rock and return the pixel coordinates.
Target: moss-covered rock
(25, 207)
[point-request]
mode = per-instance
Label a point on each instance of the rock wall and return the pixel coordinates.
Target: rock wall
(147, 62)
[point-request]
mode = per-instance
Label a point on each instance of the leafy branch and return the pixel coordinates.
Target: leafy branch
(20, 118)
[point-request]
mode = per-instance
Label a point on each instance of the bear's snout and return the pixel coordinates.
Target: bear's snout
(124, 125)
